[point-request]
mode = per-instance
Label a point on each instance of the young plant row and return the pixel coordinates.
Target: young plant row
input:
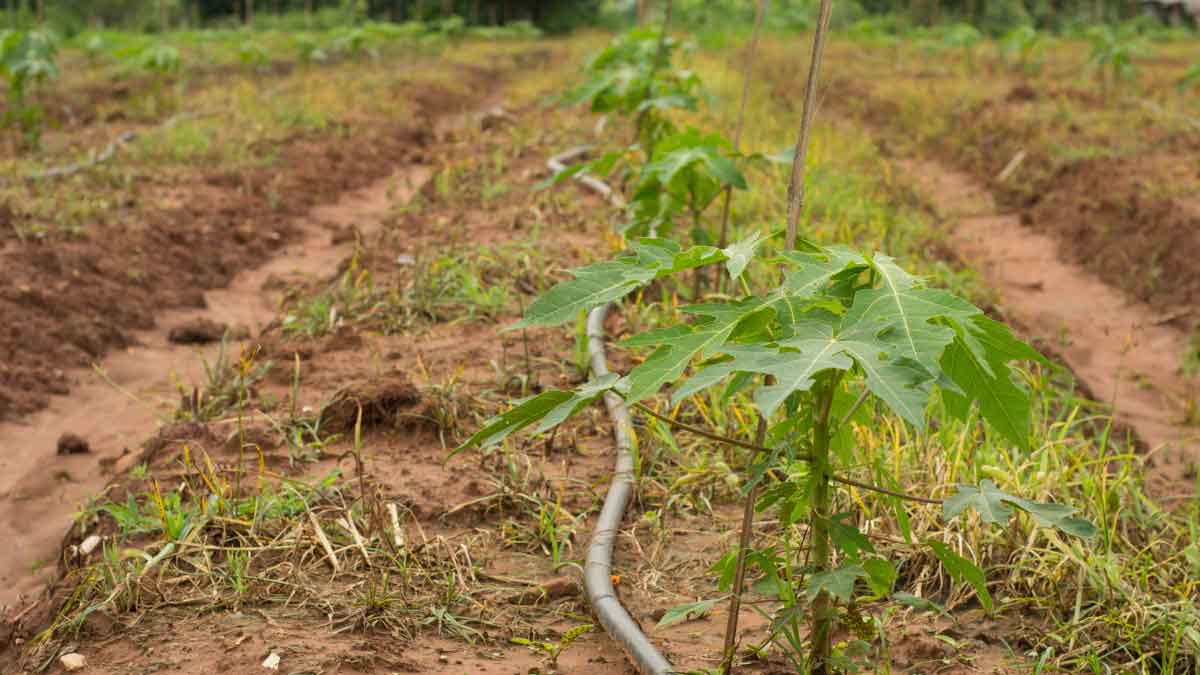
(836, 337)
(29, 57)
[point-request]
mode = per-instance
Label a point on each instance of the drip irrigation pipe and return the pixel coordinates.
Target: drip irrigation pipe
(104, 156)
(597, 570)
(122, 139)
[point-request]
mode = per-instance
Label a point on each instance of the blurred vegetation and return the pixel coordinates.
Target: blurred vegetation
(993, 17)
(71, 16)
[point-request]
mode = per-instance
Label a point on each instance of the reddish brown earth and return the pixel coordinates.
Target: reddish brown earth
(1122, 352)
(1130, 215)
(69, 300)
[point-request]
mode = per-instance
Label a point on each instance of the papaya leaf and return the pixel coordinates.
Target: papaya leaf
(996, 506)
(584, 395)
(1001, 402)
(706, 336)
(881, 576)
(817, 267)
(518, 417)
(898, 315)
(847, 538)
(687, 612)
(739, 254)
(602, 282)
(592, 286)
(839, 582)
(917, 602)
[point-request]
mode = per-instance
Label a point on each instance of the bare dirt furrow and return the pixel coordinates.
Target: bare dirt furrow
(40, 490)
(1119, 349)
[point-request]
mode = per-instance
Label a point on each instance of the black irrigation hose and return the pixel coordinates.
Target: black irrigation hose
(597, 570)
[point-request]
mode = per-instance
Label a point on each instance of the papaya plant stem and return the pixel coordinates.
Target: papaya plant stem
(822, 498)
(659, 57)
(747, 72)
(796, 185)
(739, 578)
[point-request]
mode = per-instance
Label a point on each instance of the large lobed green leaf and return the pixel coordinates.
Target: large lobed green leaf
(996, 506)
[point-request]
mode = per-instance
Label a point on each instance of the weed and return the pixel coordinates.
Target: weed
(229, 385)
(552, 650)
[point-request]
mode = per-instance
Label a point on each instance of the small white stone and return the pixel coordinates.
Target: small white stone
(88, 545)
(72, 662)
(271, 662)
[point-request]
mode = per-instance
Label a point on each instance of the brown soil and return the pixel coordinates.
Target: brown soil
(1113, 219)
(1120, 350)
(68, 301)
(1136, 211)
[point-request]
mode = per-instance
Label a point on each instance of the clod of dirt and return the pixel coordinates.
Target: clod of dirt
(72, 662)
(72, 444)
(345, 235)
(550, 591)
(1022, 93)
(174, 435)
(201, 332)
(921, 649)
(382, 400)
(251, 438)
(493, 117)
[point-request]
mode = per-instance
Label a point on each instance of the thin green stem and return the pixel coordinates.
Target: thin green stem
(822, 608)
(660, 56)
(757, 447)
(854, 408)
(891, 493)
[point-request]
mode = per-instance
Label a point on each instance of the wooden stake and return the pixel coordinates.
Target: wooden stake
(747, 72)
(796, 186)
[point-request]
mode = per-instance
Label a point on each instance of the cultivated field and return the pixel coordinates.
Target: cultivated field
(295, 373)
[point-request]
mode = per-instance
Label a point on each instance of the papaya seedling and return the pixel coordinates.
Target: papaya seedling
(253, 54)
(1114, 50)
(1021, 48)
(26, 62)
(1190, 79)
(689, 172)
(964, 36)
(162, 62)
(633, 76)
(841, 330)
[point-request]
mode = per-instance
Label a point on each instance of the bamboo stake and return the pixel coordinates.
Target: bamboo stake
(795, 205)
(737, 131)
(796, 186)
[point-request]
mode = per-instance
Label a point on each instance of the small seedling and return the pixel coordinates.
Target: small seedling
(552, 650)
